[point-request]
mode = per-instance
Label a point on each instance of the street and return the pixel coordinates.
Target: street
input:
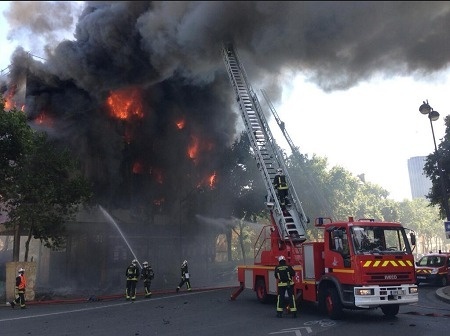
(211, 312)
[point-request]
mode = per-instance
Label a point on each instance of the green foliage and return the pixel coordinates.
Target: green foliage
(242, 189)
(424, 219)
(41, 185)
(15, 140)
(431, 170)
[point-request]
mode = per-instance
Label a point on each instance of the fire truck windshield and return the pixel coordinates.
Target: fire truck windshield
(382, 240)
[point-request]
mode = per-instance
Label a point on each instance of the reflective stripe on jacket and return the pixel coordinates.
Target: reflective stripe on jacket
(132, 273)
(280, 182)
(21, 282)
(284, 274)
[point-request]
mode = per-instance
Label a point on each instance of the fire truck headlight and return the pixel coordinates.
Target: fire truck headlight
(434, 271)
(364, 291)
(413, 290)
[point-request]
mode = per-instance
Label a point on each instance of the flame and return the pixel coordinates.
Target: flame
(180, 124)
(126, 103)
(193, 147)
(138, 168)
(8, 105)
(43, 119)
(212, 180)
(9, 97)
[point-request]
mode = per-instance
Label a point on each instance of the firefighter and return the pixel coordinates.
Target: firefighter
(21, 284)
(184, 277)
(279, 182)
(147, 275)
(285, 274)
(132, 274)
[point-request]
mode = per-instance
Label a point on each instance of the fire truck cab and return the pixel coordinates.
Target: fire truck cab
(367, 264)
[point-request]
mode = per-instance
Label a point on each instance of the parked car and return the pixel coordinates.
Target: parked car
(434, 268)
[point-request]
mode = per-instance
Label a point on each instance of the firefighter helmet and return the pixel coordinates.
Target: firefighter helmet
(21, 270)
(134, 262)
(281, 258)
(184, 263)
(279, 170)
(145, 264)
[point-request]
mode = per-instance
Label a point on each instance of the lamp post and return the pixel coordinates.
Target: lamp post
(433, 115)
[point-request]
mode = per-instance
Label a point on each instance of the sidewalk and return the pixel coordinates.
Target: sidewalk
(443, 294)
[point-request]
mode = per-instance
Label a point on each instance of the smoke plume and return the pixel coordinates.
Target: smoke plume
(141, 93)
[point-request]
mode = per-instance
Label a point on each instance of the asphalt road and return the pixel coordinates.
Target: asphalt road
(211, 312)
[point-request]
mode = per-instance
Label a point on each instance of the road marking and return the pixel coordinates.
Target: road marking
(296, 331)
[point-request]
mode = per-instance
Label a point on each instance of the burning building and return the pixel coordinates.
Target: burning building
(141, 97)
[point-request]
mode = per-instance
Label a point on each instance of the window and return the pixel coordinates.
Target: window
(377, 239)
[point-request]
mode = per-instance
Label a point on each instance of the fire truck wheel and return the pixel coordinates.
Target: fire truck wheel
(333, 304)
(390, 310)
(260, 289)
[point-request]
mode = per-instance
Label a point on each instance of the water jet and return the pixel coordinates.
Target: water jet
(113, 222)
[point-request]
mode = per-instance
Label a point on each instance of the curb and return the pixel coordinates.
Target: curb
(441, 294)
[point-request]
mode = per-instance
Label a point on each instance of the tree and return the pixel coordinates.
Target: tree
(433, 162)
(15, 140)
(419, 216)
(240, 193)
(41, 187)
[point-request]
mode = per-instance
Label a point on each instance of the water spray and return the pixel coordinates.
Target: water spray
(112, 221)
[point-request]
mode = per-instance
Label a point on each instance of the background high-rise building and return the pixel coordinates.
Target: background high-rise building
(419, 182)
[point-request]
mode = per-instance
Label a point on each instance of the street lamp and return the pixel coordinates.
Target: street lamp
(433, 115)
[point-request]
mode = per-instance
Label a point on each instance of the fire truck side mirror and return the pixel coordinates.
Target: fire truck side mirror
(413, 238)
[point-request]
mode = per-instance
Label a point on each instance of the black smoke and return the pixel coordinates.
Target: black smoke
(170, 50)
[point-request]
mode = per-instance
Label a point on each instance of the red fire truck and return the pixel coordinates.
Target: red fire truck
(358, 264)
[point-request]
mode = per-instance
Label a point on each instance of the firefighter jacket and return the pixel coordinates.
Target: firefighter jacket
(279, 182)
(132, 272)
(285, 274)
(21, 282)
(147, 273)
(184, 271)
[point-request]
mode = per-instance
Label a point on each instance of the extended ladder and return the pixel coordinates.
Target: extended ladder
(291, 221)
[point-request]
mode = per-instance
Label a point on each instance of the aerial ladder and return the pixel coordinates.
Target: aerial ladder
(290, 219)
(296, 153)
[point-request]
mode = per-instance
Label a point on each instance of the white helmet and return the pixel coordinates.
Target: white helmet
(279, 170)
(184, 263)
(21, 270)
(145, 263)
(134, 262)
(281, 258)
